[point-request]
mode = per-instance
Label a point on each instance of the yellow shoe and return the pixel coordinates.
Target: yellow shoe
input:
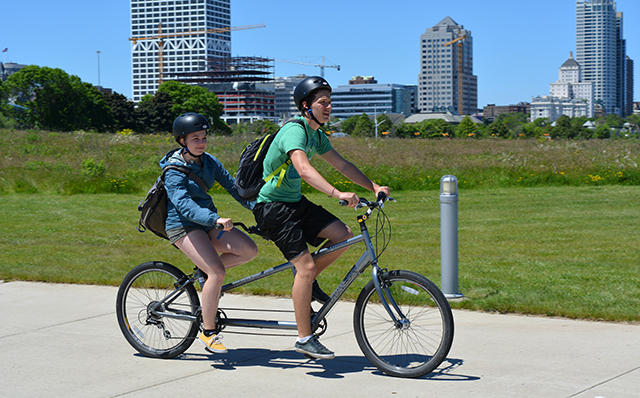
(213, 343)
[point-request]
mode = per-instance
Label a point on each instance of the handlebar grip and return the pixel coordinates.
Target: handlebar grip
(344, 202)
(218, 226)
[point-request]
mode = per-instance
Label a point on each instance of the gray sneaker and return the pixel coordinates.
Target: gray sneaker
(314, 348)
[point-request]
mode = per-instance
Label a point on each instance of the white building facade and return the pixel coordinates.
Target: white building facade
(170, 36)
(552, 108)
(569, 95)
(442, 69)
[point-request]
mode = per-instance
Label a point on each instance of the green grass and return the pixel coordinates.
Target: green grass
(559, 251)
(82, 162)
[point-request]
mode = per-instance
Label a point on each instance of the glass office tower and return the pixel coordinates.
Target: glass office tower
(600, 51)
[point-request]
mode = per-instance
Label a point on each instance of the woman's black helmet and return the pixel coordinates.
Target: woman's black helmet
(305, 88)
(188, 123)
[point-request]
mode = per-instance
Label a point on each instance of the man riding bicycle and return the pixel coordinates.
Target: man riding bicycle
(290, 219)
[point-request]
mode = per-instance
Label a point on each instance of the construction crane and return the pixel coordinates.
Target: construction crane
(161, 36)
(321, 65)
(459, 40)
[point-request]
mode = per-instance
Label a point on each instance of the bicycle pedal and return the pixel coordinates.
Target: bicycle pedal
(309, 357)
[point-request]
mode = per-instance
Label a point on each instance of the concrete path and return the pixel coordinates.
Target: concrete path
(64, 341)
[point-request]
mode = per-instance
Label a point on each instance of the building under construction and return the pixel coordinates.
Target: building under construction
(244, 85)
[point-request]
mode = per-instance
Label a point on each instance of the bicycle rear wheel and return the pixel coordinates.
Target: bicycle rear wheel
(149, 332)
(411, 348)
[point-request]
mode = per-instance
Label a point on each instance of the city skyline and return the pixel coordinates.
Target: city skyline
(517, 50)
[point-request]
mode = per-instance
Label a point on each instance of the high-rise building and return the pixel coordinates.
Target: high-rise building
(170, 37)
(446, 69)
(629, 87)
(601, 52)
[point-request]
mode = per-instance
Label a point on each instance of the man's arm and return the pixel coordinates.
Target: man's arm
(317, 181)
(352, 172)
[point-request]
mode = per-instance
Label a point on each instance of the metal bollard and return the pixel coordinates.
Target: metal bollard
(449, 236)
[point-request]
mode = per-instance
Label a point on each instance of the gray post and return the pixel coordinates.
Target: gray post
(449, 236)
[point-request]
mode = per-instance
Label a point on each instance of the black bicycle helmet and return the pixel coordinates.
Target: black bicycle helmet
(188, 123)
(305, 88)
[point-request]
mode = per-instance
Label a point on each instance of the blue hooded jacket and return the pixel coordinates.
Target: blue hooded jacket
(188, 205)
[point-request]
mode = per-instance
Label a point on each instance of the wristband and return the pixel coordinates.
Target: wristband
(332, 191)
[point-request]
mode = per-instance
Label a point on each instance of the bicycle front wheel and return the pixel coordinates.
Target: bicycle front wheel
(156, 327)
(419, 340)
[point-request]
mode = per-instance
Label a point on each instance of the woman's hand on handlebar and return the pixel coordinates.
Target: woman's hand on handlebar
(225, 224)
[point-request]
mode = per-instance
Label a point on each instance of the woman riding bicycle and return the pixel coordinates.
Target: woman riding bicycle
(292, 221)
(192, 217)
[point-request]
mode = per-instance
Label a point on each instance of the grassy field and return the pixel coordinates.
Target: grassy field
(82, 162)
(566, 251)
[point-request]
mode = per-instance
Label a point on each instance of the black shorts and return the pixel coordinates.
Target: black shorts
(292, 225)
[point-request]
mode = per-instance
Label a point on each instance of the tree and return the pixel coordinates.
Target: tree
(192, 98)
(347, 126)
(603, 131)
(406, 130)
(512, 123)
(364, 126)
(497, 129)
(122, 111)
(154, 113)
(562, 128)
(467, 128)
(577, 128)
(436, 128)
(55, 100)
(615, 121)
(384, 123)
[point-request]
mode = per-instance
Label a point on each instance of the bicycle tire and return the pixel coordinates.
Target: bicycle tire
(419, 347)
(152, 335)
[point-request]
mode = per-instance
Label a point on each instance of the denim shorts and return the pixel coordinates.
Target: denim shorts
(292, 225)
(175, 234)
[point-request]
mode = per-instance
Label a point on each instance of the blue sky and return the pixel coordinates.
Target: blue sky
(518, 46)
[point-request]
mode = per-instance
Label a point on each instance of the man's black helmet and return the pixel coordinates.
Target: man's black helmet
(188, 123)
(305, 88)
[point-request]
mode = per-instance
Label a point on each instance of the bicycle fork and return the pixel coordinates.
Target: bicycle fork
(384, 294)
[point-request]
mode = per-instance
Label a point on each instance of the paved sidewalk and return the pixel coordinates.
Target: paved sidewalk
(64, 341)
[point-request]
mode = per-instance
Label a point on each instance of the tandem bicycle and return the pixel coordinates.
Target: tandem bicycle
(402, 321)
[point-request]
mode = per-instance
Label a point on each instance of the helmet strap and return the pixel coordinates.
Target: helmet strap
(186, 150)
(312, 116)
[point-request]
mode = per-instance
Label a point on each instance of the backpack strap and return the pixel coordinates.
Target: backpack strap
(189, 174)
(280, 171)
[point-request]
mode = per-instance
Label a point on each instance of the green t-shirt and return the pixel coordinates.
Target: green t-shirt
(291, 136)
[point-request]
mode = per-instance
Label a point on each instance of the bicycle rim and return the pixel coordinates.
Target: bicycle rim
(421, 344)
(150, 334)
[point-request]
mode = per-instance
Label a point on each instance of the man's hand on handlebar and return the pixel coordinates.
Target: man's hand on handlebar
(348, 199)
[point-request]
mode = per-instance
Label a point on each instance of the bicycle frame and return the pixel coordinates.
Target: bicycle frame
(367, 258)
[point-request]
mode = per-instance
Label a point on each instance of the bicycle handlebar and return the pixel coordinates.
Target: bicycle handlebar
(379, 202)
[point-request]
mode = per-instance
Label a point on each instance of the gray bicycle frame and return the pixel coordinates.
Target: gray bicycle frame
(367, 258)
